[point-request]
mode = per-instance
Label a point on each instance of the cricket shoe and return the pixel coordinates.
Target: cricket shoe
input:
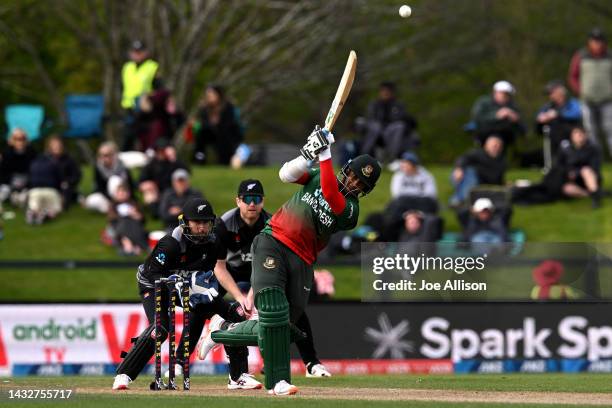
(283, 388)
(178, 370)
(208, 344)
(245, 382)
(317, 370)
(122, 382)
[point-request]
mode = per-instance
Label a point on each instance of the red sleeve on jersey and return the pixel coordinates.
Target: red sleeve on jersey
(329, 186)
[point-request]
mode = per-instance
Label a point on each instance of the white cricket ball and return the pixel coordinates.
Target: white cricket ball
(405, 11)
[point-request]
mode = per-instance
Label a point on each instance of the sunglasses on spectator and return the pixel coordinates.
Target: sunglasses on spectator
(105, 155)
(248, 199)
(20, 138)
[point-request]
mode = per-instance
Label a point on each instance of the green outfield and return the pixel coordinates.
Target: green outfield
(517, 390)
(76, 234)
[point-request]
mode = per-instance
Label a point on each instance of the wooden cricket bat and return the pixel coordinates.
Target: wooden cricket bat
(343, 91)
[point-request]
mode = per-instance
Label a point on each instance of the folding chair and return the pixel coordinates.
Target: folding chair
(30, 118)
(84, 114)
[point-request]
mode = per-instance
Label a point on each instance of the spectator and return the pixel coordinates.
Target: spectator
(136, 79)
(388, 122)
(485, 165)
(590, 78)
(498, 114)
(69, 170)
(484, 225)
(127, 222)
(581, 163)
(218, 125)
(547, 277)
(173, 199)
(14, 168)
(158, 115)
(558, 116)
(412, 179)
(107, 165)
(417, 228)
(155, 177)
(44, 196)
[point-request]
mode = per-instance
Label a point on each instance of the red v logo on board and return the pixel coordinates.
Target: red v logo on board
(112, 342)
(3, 356)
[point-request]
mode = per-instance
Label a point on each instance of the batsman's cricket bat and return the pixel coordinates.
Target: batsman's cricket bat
(343, 91)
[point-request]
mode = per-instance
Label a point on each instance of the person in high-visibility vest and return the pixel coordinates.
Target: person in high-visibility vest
(547, 276)
(136, 79)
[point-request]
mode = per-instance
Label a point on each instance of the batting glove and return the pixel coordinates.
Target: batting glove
(317, 142)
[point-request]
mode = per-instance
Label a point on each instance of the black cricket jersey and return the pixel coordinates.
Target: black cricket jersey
(175, 254)
(234, 238)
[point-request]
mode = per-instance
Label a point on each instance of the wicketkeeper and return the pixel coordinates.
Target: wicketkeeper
(284, 252)
(190, 252)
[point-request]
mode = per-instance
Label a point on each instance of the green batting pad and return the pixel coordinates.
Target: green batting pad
(274, 335)
(238, 334)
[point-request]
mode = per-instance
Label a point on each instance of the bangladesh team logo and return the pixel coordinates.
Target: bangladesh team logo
(269, 263)
(367, 170)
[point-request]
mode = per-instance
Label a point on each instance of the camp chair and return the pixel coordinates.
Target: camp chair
(84, 114)
(30, 118)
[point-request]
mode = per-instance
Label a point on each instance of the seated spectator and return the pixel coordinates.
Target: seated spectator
(155, 176)
(107, 165)
(388, 123)
(485, 165)
(419, 227)
(127, 222)
(14, 168)
(498, 114)
(174, 198)
(44, 195)
(484, 224)
(557, 117)
(413, 180)
(218, 125)
(69, 170)
(580, 161)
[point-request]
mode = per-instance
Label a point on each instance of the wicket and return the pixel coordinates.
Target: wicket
(173, 293)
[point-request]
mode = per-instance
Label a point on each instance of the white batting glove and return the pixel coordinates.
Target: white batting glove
(317, 142)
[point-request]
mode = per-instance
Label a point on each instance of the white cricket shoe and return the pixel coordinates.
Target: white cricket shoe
(245, 382)
(317, 370)
(122, 382)
(207, 344)
(178, 370)
(283, 388)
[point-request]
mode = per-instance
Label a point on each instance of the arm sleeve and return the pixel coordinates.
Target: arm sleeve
(329, 187)
(163, 256)
(573, 75)
(295, 171)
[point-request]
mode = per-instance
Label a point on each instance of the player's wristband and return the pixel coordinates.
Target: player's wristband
(325, 154)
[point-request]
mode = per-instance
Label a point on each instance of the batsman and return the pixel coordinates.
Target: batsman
(286, 249)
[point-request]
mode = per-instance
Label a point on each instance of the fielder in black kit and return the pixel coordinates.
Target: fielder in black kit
(191, 252)
(235, 231)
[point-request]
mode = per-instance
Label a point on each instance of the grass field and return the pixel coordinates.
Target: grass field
(518, 390)
(75, 235)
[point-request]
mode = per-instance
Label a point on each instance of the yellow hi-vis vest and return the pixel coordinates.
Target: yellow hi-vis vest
(136, 80)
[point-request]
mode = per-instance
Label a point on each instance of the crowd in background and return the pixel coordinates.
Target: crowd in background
(572, 126)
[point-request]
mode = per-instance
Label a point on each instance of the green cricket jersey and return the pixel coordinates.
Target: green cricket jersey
(306, 221)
